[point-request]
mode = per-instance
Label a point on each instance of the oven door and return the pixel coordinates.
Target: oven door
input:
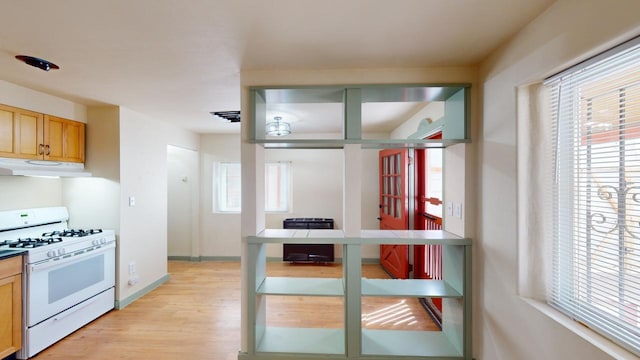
(56, 285)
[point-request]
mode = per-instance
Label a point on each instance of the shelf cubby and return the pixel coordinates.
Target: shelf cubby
(301, 286)
(408, 288)
(402, 343)
(302, 341)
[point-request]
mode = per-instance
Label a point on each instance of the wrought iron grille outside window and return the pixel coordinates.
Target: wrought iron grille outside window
(596, 210)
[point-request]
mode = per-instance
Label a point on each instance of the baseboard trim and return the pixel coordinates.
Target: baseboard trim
(220, 258)
(370, 261)
(121, 304)
(203, 258)
(183, 258)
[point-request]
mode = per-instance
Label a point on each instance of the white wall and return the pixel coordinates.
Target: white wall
(433, 110)
(219, 233)
(22, 97)
(127, 154)
(143, 175)
(569, 31)
(19, 192)
(95, 202)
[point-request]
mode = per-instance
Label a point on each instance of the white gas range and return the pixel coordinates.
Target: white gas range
(69, 274)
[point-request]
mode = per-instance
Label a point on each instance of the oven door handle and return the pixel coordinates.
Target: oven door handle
(74, 309)
(51, 263)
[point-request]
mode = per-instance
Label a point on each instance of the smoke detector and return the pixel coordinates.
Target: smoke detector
(37, 62)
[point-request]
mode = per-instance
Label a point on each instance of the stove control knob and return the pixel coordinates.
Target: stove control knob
(51, 253)
(94, 242)
(61, 251)
(103, 241)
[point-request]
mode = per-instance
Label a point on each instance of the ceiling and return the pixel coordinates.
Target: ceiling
(177, 60)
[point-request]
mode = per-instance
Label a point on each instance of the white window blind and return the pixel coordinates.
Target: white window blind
(227, 198)
(596, 209)
(277, 187)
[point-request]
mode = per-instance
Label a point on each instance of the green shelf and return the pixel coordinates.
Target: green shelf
(398, 343)
(408, 287)
(302, 341)
(301, 286)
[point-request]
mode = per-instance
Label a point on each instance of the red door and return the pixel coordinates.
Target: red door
(394, 213)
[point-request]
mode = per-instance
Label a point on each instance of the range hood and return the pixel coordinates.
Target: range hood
(23, 167)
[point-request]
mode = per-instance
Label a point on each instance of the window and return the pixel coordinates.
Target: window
(227, 194)
(276, 188)
(228, 190)
(596, 208)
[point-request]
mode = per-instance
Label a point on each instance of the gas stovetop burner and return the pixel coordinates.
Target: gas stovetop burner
(73, 232)
(27, 243)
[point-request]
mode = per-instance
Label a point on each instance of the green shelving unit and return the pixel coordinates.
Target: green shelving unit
(352, 341)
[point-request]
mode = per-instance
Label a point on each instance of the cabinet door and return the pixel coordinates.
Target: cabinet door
(20, 133)
(64, 139)
(10, 306)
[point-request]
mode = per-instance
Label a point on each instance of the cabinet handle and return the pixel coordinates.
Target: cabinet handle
(41, 149)
(48, 150)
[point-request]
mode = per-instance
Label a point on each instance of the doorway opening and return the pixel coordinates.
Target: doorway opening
(411, 191)
(182, 204)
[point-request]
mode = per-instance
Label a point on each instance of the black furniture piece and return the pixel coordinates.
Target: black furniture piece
(308, 253)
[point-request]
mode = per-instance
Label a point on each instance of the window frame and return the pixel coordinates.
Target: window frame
(219, 187)
(574, 145)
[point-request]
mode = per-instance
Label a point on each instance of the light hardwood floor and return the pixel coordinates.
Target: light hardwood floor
(196, 315)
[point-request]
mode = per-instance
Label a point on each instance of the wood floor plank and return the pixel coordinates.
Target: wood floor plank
(196, 315)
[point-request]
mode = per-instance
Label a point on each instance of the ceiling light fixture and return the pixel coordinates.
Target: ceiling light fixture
(278, 127)
(37, 62)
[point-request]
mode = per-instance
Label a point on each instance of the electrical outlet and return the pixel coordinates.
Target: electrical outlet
(132, 201)
(132, 268)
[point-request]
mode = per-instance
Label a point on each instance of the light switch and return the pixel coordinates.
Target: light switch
(458, 210)
(449, 208)
(132, 201)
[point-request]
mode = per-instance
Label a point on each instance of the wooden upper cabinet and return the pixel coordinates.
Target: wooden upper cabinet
(64, 139)
(21, 133)
(30, 135)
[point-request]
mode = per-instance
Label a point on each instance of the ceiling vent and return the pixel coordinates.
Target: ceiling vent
(231, 116)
